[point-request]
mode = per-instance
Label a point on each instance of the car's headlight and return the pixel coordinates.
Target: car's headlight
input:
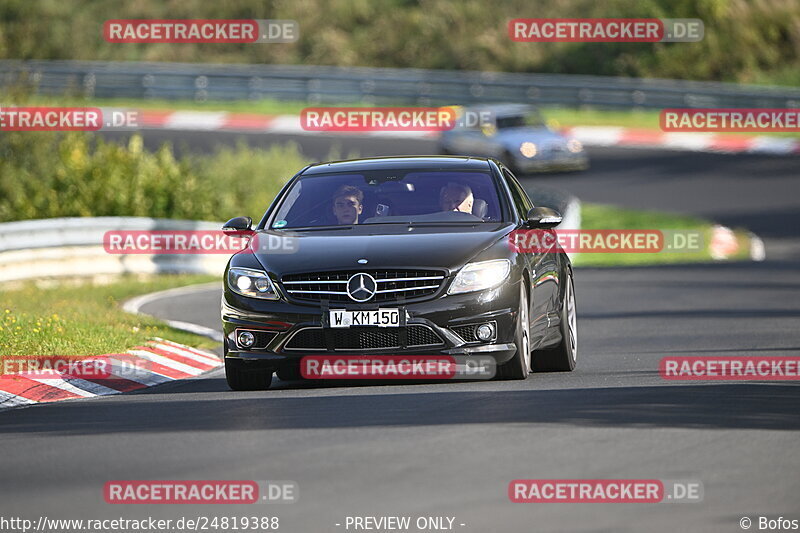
(528, 149)
(574, 146)
(252, 283)
(480, 276)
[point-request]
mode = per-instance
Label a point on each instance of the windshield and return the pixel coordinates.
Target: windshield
(383, 197)
(533, 120)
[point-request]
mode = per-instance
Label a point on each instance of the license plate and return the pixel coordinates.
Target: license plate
(383, 318)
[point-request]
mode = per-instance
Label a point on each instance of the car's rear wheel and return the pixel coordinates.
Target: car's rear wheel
(563, 357)
(520, 365)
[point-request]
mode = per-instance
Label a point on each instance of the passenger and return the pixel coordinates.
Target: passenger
(456, 197)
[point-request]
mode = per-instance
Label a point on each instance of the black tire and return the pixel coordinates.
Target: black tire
(519, 365)
(242, 375)
(563, 357)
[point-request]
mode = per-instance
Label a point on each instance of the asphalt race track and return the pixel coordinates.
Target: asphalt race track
(451, 449)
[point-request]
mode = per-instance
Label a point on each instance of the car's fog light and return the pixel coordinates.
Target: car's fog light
(246, 339)
(484, 332)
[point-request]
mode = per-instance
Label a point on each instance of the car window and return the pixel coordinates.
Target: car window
(389, 196)
(521, 200)
(531, 120)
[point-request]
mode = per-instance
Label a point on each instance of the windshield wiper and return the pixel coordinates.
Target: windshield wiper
(319, 228)
(429, 222)
(452, 223)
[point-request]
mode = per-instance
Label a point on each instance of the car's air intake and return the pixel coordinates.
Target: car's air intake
(363, 339)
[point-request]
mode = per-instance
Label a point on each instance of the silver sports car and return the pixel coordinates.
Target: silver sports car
(515, 134)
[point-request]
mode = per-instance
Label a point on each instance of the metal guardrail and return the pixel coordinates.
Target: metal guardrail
(332, 85)
(73, 247)
(84, 231)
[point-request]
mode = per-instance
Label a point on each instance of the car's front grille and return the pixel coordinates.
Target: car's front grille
(313, 338)
(391, 285)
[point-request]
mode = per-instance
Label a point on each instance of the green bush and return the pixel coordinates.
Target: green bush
(246, 179)
(45, 175)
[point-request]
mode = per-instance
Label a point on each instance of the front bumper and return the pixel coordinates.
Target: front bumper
(552, 162)
(447, 317)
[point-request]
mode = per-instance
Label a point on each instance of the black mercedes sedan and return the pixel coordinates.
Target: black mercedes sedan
(397, 255)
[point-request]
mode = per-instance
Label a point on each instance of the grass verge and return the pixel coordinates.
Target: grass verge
(82, 318)
(597, 217)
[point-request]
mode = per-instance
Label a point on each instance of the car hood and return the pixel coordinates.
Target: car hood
(382, 246)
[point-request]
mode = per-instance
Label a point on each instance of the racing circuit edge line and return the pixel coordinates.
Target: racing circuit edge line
(134, 305)
(588, 135)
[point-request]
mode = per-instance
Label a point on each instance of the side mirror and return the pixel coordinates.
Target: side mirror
(543, 218)
(238, 225)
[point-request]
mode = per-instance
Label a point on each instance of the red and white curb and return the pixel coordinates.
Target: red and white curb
(158, 361)
(588, 135)
(246, 122)
(686, 141)
(724, 244)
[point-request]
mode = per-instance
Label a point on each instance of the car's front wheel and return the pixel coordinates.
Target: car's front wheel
(563, 357)
(520, 365)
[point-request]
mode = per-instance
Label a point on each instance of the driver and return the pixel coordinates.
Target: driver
(456, 197)
(348, 204)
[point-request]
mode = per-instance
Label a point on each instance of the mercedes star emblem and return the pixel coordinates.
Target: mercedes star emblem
(361, 287)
